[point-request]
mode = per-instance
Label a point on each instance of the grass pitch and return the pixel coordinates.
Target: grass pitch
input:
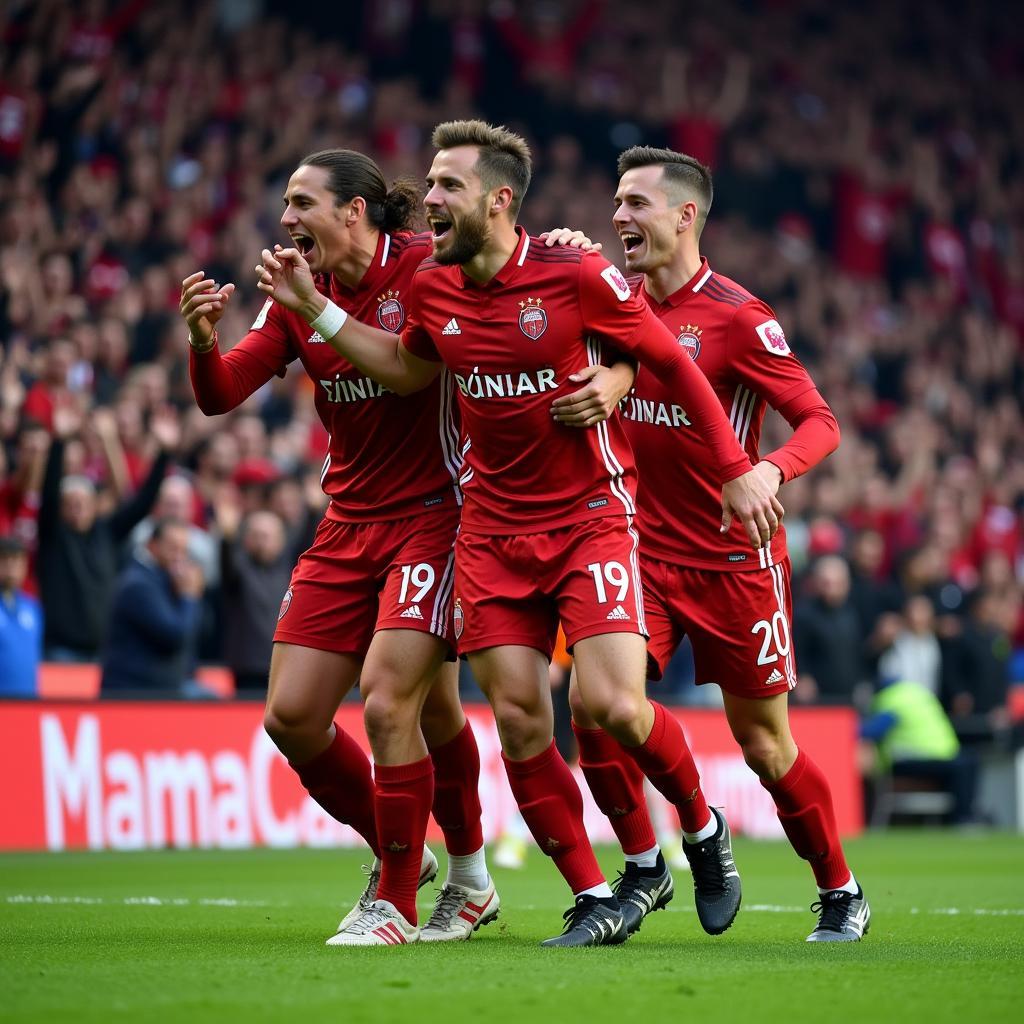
(238, 936)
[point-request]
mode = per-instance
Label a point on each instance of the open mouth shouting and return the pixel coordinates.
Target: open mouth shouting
(440, 227)
(631, 242)
(304, 243)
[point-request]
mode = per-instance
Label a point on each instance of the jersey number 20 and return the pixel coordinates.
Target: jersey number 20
(776, 630)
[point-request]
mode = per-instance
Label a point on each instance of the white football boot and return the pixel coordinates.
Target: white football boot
(459, 911)
(428, 872)
(379, 925)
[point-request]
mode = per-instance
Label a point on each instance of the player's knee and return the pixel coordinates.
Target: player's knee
(386, 717)
(576, 705)
(280, 722)
(520, 728)
(622, 716)
(763, 752)
(441, 717)
(284, 724)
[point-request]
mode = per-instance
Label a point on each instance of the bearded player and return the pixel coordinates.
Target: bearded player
(546, 529)
(371, 599)
(735, 606)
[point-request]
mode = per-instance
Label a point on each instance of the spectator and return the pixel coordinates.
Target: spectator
(873, 593)
(20, 489)
(79, 547)
(913, 738)
(977, 681)
(154, 617)
(829, 638)
(915, 652)
(256, 566)
(21, 624)
(177, 499)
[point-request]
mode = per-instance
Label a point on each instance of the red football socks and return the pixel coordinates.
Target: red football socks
(457, 793)
(804, 803)
(617, 784)
(340, 780)
(550, 803)
(404, 793)
(666, 760)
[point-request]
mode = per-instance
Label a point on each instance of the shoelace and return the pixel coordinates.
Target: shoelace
(707, 867)
(372, 918)
(372, 882)
(629, 887)
(834, 912)
(449, 903)
(577, 914)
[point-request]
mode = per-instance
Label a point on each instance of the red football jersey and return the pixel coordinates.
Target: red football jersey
(736, 341)
(388, 456)
(511, 344)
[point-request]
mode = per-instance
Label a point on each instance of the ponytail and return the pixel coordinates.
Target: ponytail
(351, 174)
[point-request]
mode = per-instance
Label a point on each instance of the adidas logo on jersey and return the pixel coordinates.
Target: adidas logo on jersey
(412, 612)
(619, 614)
(775, 677)
(452, 327)
(315, 339)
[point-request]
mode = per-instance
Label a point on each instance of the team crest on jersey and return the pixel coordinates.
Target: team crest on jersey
(458, 618)
(533, 319)
(286, 603)
(689, 339)
(773, 337)
(617, 283)
(390, 312)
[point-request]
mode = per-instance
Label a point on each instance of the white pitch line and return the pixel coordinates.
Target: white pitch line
(980, 911)
(137, 901)
(182, 901)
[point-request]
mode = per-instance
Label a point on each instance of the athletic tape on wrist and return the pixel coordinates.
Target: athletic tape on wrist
(330, 321)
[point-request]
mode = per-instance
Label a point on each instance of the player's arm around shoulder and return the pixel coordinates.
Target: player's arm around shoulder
(285, 276)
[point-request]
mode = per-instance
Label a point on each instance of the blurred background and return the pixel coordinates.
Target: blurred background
(867, 161)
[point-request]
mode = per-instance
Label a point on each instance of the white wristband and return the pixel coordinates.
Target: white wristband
(330, 321)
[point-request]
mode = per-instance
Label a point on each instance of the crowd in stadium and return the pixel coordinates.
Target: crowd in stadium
(871, 193)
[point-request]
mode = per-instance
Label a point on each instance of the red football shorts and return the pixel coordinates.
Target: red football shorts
(357, 578)
(513, 590)
(737, 622)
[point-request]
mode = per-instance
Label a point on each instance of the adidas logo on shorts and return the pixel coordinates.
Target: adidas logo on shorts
(452, 327)
(619, 614)
(775, 677)
(412, 612)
